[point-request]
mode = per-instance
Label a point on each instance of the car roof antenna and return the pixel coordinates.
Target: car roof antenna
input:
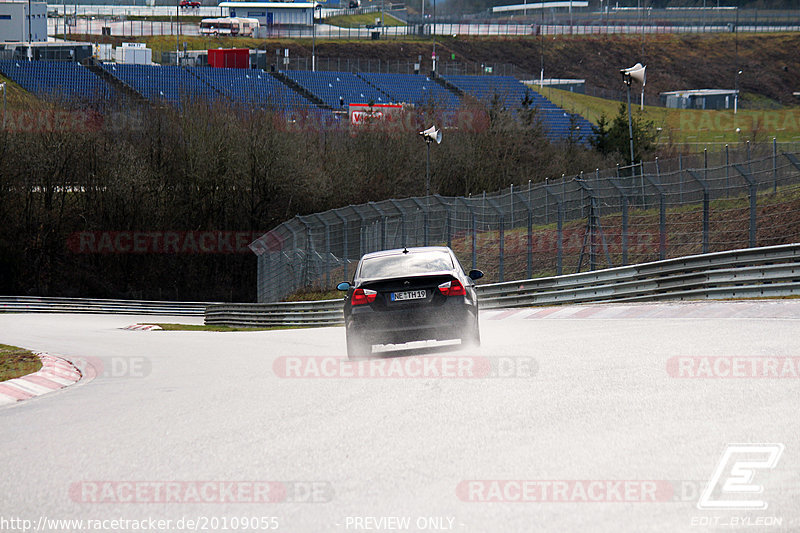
(405, 250)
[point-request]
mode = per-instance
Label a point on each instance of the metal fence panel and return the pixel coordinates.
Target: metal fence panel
(662, 209)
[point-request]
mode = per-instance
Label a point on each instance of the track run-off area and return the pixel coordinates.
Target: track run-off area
(577, 418)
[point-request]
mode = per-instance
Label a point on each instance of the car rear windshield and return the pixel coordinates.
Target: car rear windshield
(412, 263)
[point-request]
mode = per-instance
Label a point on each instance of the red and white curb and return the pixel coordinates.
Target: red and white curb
(56, 373)
(143, 327)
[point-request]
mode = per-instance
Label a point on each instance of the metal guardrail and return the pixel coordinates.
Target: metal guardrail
(766, 271)
(319, 313)
(35, 304)
(752, 272)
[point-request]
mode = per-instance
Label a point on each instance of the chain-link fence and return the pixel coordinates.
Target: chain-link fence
(666, 208)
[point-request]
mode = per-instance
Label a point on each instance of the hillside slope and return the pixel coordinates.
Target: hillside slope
(769, 64)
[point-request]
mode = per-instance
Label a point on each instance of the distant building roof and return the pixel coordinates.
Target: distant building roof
(701, 92)
(270, 5)
(574, 4)
(554, 81)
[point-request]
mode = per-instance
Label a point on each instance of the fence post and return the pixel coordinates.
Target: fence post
(511, 210)
(727, 172)
(447, 226)
(624, 202)
(502, 235)
(594, 228)
(303, 281)
(424, 208)
(662, 215)
(327, 249)
(559, 229)
(753, 190)
(706, 207)
(774, 164)
(749, 165)
(397, 205)
(383, 223)
(529, 246)
(546, 216)
(362, 247)
(344, 240)
(474, 230)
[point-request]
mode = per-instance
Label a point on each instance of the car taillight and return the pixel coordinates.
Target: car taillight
(363, 296)
(453, 288)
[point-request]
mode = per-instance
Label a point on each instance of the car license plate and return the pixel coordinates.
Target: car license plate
(408, 295)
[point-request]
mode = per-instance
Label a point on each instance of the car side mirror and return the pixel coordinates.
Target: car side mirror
(343, 286)
(475, 274)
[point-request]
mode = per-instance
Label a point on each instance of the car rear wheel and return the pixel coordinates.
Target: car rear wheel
(357, 346)
(471, 337)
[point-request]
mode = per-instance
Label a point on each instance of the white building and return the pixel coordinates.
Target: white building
(700, 99)
(14, 22)
(273, 13)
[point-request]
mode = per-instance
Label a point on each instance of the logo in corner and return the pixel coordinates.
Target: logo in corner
(731, 487)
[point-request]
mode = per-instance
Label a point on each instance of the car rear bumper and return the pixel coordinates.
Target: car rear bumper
(446, 321)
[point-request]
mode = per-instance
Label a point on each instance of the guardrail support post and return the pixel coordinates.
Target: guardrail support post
(706, 207)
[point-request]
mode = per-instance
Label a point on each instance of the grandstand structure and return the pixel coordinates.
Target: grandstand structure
(323, 93)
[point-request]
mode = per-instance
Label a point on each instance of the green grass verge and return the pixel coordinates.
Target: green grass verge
(680, 126)
(363, 19)
(16, 362)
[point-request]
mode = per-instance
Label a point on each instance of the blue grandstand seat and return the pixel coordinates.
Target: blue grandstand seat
(508, 93)
(414, 89)
(252, 87)
(338, 89)
(66, 82)
(167, 83)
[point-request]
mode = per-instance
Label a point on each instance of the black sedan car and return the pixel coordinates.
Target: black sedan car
(398, 296)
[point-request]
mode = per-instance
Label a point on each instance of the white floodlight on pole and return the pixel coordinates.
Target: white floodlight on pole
(635, 72)
(430, 135)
